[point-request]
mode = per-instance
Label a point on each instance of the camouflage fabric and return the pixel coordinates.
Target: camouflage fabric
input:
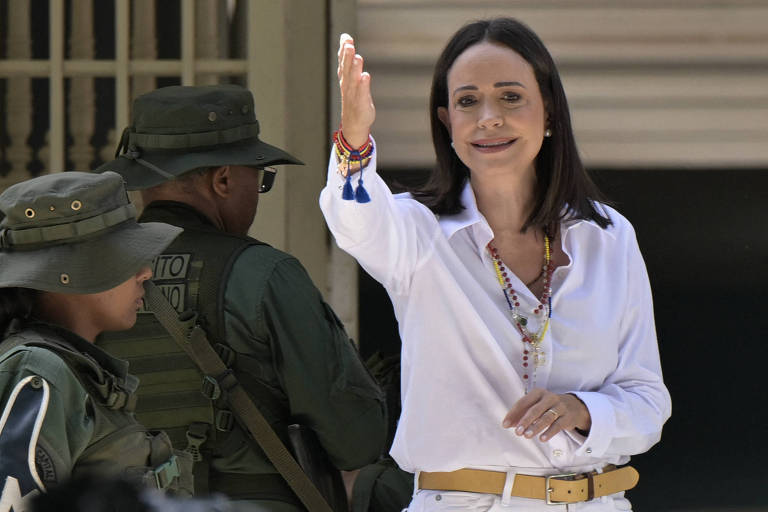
(180, 128)
(67, 411)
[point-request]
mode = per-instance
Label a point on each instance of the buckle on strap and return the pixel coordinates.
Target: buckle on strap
(210, 388)
(224, 420)
(166, 472)
(549, 490)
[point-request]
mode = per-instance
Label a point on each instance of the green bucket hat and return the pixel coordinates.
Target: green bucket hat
(180, 128)
(74, 232)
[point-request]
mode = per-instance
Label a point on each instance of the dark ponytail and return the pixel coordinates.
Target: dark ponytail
(15, 303)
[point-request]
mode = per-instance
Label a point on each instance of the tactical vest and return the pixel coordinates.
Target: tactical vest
(174, 396)
(120, 446)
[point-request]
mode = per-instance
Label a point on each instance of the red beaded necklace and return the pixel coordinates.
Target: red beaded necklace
(531, 340)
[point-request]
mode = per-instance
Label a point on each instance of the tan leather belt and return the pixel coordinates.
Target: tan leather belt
(555, 489)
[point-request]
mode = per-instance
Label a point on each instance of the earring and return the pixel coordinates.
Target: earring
(547, 132)
(454, 147)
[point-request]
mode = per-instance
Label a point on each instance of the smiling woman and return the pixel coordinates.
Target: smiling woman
(523, 303)
(73, 260)
(488, 116)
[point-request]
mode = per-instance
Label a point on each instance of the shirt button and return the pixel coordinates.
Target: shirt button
(589, 450)
(557, 453)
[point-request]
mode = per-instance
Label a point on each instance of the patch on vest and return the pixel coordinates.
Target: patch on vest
(20, 427)
(44, 464)
(169, 273)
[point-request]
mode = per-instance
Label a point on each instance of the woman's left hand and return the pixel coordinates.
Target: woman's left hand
(543, 411)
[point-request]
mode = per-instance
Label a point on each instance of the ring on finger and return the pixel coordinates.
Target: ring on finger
(557, 414)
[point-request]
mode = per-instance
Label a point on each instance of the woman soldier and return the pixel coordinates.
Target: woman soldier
(72, 264)
(530, 366)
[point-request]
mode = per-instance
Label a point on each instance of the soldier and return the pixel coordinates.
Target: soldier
(72, 263)
(196, 155)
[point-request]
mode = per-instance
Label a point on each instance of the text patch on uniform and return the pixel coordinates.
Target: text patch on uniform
(169, 273)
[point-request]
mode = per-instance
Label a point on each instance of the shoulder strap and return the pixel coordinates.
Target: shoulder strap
(11, 343)
(192, 339)
(94, 378)
(65, 353)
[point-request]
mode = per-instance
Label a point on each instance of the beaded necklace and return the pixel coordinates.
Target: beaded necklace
(531, 340)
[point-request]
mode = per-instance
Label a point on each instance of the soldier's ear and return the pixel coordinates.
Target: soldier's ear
(221, 181)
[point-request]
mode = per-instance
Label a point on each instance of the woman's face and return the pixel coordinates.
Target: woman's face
(115, 309)
(90, 314)
(495, 115)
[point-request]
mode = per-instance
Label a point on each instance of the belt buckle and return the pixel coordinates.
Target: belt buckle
(548, 489)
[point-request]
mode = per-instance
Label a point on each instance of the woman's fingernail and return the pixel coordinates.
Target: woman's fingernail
(519, 430)
(529, 433)
(543, 438)
(506, 424)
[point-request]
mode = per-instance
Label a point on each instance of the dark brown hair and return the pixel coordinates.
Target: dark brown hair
(563, 187)
(15, 303)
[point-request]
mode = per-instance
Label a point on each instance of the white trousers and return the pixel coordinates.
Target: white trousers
(444, 501)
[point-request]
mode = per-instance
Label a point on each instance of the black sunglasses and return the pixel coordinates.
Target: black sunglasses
(267, 179)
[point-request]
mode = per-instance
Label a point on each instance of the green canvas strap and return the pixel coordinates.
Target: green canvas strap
(72, 231)
(193, 140)
(193, 340)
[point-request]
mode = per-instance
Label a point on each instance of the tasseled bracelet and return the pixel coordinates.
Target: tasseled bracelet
(349, 157)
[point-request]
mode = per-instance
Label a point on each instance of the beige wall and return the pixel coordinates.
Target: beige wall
(298, 104)
(291, 95)
(650, 83)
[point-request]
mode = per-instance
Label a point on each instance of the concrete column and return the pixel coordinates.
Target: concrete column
(210, 33)
(342, 283)
(18, 94)
(81, 99)
(288, 74)
(143, 44)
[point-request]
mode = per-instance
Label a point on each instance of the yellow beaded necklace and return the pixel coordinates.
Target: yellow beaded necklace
(531, 340)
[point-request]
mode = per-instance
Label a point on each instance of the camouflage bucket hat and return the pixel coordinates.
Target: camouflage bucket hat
(74, 232)
(180, 128)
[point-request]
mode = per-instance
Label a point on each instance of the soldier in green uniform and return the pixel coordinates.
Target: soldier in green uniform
(72, 263)
(196, 155)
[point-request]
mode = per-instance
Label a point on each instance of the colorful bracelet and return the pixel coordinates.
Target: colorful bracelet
(349, 158)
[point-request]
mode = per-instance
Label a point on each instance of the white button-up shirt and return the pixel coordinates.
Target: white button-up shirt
(462, 354)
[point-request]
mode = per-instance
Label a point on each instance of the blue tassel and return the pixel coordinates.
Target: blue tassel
(361, 195)
(347, 193)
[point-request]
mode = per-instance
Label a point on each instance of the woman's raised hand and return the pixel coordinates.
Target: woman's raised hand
(357, 110)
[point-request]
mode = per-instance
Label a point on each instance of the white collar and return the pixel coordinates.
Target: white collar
(471, 216)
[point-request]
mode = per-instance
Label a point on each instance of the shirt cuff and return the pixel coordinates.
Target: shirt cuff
(603, 425)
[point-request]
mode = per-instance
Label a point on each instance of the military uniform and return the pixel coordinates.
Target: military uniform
(265, 318)
(84, 399)
(67, 406)
(285, 344)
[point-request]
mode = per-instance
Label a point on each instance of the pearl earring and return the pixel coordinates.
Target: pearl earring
(547, 132)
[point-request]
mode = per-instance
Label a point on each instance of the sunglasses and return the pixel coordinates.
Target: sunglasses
(267, 176)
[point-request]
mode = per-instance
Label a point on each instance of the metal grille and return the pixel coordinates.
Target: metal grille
(62, 105)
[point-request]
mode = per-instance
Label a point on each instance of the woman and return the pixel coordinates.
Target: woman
(529, 346)
(72, 264)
